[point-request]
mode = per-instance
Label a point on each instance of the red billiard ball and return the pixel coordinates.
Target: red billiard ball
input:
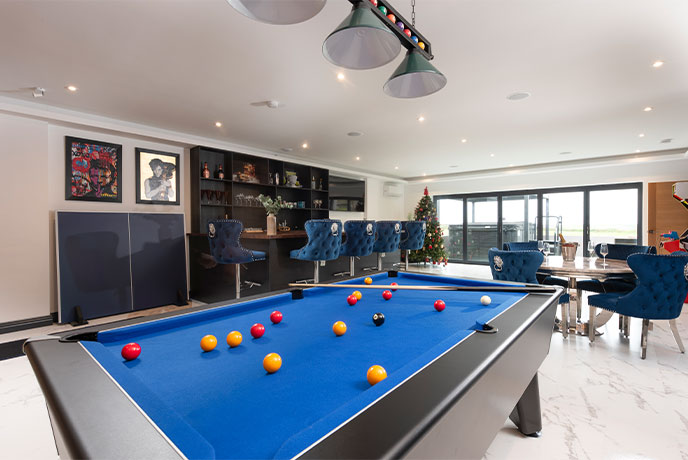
(131, 351)
(386, 294)
(439, 305)
(407, 32)
(276, 317)
(257, 330)
(393, 284)
(352, 299)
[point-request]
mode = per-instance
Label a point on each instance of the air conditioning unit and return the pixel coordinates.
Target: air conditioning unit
(392, 189)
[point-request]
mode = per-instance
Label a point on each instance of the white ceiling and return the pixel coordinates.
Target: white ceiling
(182, 65)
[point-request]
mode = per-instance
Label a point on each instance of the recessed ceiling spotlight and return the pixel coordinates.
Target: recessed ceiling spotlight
(218, 124)
(637, 150)
(666, 141)
(71, 88)
(286, 149)
(565, 153)
(424, 174)
(463, 141)
(358, 158)
(657, 64)
(641, 135)
(421, 118)
(647, 109)
(396, 167)
(517, 96)
(304, 145)
(354, 133)
(340, 76)
(492, 154)
(511, 165)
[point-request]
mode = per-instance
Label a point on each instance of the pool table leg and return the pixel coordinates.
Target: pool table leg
(526, 415)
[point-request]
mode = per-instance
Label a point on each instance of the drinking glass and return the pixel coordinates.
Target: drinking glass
(591, 249)
(604, 250)
(541, 245)
(545, 248)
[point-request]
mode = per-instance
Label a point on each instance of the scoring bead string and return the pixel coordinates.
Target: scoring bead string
(413, 13)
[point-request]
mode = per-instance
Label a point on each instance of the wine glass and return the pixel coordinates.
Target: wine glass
(604, 250)
(541, 245)
(591, 249)
(545, 248)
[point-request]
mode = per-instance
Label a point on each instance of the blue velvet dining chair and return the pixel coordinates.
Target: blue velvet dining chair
(324, 243)
(225, 247)
(360, 238)
(412, 239)
(533, 246)
(521, 267)
(614, 284)
(658, 295)
(387, 239)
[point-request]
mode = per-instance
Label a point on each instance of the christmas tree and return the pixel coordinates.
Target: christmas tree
(433, 248)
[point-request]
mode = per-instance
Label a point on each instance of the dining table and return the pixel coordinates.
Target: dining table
(585, 268)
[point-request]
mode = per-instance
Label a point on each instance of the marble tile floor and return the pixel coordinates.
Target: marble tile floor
(599, 401)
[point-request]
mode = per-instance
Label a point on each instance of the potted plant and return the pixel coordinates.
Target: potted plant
(272, 207)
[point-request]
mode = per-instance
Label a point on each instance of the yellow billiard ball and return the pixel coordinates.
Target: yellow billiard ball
(339, 328)
(368, 280)
(376, 374)
(357, 294)
(272, 363)
(234, 339)
(208, 342)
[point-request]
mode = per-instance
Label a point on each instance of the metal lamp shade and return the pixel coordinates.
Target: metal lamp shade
(415, 77)
(278, 11)
(361, 42)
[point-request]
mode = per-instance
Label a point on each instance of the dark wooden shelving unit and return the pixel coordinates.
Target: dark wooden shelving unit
(213, 198)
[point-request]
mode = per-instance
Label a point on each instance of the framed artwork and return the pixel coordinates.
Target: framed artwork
(93, 170)
(157, 177)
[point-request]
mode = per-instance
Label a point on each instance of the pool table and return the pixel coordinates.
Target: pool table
(449, 388)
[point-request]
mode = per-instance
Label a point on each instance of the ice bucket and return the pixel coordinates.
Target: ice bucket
(568, 251)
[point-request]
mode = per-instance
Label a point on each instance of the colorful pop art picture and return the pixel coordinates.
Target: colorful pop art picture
(93, 170)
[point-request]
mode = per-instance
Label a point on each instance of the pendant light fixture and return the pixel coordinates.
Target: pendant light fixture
(278, 11)
(415, 77)
(361, 41)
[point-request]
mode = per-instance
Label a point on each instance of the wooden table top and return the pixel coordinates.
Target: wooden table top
(584, 267)
(264, 235)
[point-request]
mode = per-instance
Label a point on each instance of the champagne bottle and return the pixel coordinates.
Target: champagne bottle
(206, 171)
(562, 239)
(220, 173)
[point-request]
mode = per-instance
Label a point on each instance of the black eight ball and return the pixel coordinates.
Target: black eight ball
(378, 319)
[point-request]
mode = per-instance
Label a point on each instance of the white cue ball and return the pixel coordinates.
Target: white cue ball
(485, 300)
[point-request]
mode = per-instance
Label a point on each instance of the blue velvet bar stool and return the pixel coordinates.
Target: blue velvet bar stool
(413, 238)
(521, 267)
(388, 236)
(614, 284)
(360, 238)
(225, 247)
(324, 243)
(658, 295)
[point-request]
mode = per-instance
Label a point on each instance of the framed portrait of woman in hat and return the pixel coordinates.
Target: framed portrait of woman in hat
(157, 177)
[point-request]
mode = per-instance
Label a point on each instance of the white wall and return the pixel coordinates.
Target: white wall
(24, 193)
(672, 166)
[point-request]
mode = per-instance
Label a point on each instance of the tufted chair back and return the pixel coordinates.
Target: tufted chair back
(518, 266)
(223, 237)
(414, 235)
(388, 236)
(520, 246)
(661, 288)
(622, 251)
(324, 240)
(360, 238)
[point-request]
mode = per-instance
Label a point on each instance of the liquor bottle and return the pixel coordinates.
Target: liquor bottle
(220, 173)
(206, 172)
(277, 182)
(562, 240)
(313, 182)
(321, 184)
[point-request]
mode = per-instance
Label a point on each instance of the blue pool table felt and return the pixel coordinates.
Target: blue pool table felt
(223, 404)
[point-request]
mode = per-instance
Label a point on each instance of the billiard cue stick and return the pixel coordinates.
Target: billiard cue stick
(527, 288)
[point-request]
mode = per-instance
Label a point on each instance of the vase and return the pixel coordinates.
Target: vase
(272, 224)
